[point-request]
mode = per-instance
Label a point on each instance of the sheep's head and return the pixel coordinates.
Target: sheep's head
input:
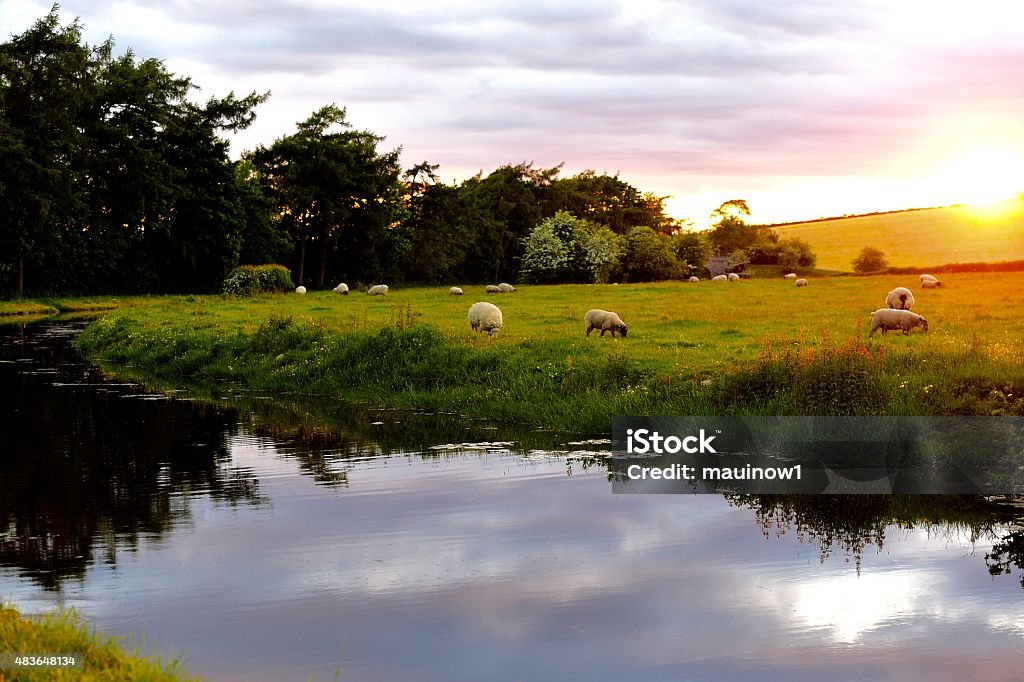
(923, 324)
(622, 330)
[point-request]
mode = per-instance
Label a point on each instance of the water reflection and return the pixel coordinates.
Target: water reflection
(265, 542)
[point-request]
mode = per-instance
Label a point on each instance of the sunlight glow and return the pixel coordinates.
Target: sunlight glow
(982, 176)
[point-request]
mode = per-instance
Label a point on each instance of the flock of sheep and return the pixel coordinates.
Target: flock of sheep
(486, 317)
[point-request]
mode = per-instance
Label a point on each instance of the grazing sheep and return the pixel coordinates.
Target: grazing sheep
(719, 278)
(378, 290)
(931, 284)
(300, 289)
(791, 275)
(733, 277)
(605, 321)
(927, 278)
(801, 282)
(485, 316)
(899, 298)
(341, 289)
(506, 288)
(492, 289)
(694, 279)
(888, 319)
(455, 291)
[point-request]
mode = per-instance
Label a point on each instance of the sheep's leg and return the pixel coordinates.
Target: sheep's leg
(589, 329)
(603, 331)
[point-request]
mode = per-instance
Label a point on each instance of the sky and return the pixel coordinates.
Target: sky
(804, 108)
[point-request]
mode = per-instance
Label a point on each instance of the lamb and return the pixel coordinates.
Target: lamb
(888, 319)
(605, 321)
(899, 298)
(930, 284)
(791, 275)
(733, 277)
(801, 282)
(455, 291)
(378, 290)
(694, 279)
(341, 289)
(506, 288)
(492, 289)
(300, 289)
(719, 278)
(485, 316)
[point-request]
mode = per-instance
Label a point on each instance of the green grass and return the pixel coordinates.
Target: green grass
(105, 659)
(754, 347)
(923, 238)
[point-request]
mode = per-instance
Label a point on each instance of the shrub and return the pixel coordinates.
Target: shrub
(649, 257)
(565, 248)
(247, 280)
(870, 260)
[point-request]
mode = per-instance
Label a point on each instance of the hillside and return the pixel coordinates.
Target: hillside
(926, 237)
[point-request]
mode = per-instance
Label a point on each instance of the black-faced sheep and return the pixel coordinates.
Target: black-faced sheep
(801, 282)
(341, 289)
(888, 319)
(378, 290)
(605, 321)
(927, 278)
(694, 279)
(719, 278)
(492, 289)
(733, 277)
(931, 284)
(506, 288)
(455, 291)
(486, 317)
(791, 275)
(899, 298)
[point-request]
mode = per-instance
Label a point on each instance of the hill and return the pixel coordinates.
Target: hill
(925, 237)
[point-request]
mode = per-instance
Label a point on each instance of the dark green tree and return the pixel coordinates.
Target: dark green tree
(870, 260)
(648, 256)
(337, 191)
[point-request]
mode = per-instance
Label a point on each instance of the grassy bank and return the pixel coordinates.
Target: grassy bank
(104, 659)
(755, 347)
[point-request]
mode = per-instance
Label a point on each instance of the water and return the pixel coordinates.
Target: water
(261, 545)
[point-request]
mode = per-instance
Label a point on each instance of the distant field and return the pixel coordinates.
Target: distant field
(928, 237)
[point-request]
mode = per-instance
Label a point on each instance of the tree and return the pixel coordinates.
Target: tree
(870, 260)
(693, 249)
(648, 256)
(43, 93)
(565, 248)
(731, 232)
(332, 184)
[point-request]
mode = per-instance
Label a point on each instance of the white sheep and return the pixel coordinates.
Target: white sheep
(694, 279)
(485, 316)
(492, 289)
(455, 291)
(791, 275)
(300, 289)
(931, 284)
(378, 290)
(341, 289)
(605, 321)
(927, 278)
(719, 278)
(899, 298)
(733, 277)
(801, 282)
(888, 319)
(506, 288)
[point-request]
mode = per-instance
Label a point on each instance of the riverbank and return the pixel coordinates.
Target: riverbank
(750, 348)
(103, 658)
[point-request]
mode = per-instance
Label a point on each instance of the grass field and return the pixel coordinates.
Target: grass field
(757, 346)
(923, 238)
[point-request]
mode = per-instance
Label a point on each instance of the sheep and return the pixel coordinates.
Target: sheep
(694, 279)
(455, 291)
(605, 321)
(889, 319)
(733, 277)
(506, 288)
(378, 290)
(485, 316)
(719, 278)
(899, 298)
(801, 282)
(931, 284)
(341, 289)
(300, 289)
(927, 278)
(492, 289)
(791, 275)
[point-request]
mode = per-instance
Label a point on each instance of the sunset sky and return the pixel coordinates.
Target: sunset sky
(804, 109)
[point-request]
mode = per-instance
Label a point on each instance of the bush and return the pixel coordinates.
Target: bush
(247, 280)
(649, 257)
(565, 248)
(870, 260)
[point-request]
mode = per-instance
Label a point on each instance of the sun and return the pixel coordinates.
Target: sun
(982, 176)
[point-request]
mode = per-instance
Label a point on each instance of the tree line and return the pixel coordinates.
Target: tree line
(115, 180)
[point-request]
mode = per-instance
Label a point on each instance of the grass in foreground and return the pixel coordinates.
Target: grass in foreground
(105, 658)
(754, 347)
